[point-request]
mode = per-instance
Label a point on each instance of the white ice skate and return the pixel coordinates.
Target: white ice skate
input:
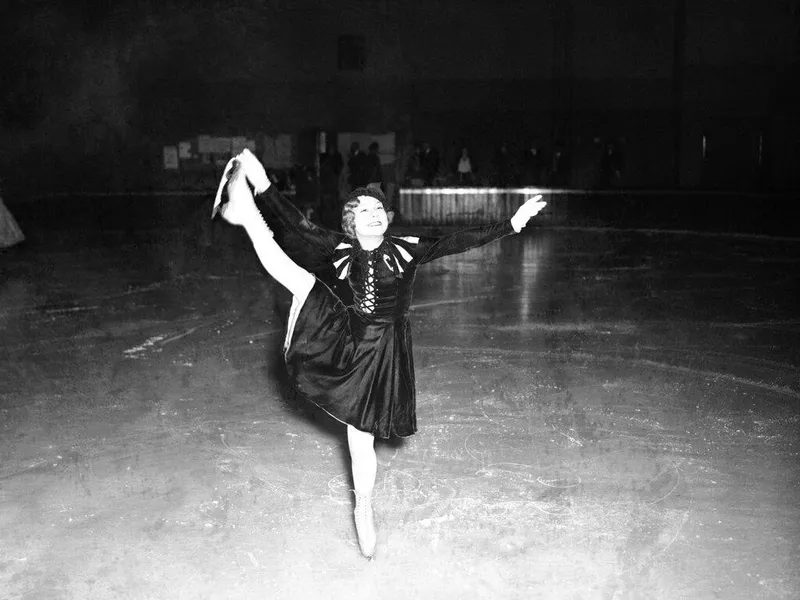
(234, 194)
(365, 526)
(234, 201)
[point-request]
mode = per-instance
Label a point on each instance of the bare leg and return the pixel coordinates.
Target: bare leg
(365, 466)
(243, 211)
(362, 459)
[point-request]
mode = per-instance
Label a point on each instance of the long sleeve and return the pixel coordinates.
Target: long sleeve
(308, 245)
(431, 248)
(274, 205)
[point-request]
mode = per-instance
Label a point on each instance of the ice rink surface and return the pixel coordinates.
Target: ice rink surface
(603, 414)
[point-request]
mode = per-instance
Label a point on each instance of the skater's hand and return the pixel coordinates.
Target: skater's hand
(530, 209)
(254, 171)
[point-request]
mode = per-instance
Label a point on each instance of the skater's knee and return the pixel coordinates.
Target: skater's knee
(360, 441)
(302, 284)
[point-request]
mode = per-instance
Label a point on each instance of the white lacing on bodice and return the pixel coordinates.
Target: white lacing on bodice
(368, 302)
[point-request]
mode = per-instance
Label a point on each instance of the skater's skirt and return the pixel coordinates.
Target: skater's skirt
(358, 369)
(10, 233)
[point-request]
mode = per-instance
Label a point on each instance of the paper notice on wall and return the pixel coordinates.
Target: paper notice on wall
(185, 150)
(240, 143)
(204, 144)
(171, 158)
(221, 145)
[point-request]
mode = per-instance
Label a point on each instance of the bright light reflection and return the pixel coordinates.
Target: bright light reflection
(536, 251)
(474, 191)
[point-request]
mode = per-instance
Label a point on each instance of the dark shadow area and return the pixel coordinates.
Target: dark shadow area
(123, 219)
(763, 214)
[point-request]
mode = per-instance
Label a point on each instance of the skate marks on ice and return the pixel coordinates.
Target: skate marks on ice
(171, 492)
(517, 483)
(229, 333)
(594, 483)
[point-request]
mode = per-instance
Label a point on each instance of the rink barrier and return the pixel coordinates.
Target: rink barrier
(471, 206)
(698, 210)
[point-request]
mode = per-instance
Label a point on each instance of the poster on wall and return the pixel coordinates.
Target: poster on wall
(185, 150)
(221, 145)
(204, 144)
(239, 143)
(171, 158)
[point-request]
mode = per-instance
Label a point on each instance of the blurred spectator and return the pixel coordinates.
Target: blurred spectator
(402, 158)
(357, 164)
(413, 174)
(373, 165)
(330, 170)
(611, 166)
(464, 169)
(429, 163)
(534, 167)
(504, 168)
(279, 179)
(306, 189)
(560, 167)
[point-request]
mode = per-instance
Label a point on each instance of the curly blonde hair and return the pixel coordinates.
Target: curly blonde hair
(351, 204)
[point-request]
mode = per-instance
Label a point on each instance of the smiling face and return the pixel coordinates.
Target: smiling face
(370, 219)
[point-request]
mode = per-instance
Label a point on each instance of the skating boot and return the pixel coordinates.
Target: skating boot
(365, 526)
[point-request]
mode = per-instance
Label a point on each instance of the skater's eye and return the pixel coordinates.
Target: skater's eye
(363, 209)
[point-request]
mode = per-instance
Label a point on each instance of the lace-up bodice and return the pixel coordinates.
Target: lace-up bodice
(367, 302)
(373, 283)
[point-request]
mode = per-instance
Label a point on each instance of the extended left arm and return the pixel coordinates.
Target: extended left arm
(460, 241)
(432, 248)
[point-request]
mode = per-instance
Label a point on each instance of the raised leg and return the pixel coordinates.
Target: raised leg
(242, 210)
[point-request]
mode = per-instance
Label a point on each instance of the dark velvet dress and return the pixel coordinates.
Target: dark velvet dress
(355, 361)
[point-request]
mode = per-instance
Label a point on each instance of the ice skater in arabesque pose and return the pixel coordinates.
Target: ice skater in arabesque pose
(355, 362)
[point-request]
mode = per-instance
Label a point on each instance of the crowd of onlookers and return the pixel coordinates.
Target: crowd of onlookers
(533, 166)
(421, 165)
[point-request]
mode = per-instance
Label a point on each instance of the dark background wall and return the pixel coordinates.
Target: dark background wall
(91, 93)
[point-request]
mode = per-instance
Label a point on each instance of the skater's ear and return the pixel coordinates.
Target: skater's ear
(389, 216)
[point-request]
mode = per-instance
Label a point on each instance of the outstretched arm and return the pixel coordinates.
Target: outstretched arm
(276, 206)
(430, 249)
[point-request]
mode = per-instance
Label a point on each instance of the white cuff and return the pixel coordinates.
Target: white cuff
(517, 223)
(256, 174)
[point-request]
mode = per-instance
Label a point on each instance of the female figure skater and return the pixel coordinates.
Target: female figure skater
(355, 362)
